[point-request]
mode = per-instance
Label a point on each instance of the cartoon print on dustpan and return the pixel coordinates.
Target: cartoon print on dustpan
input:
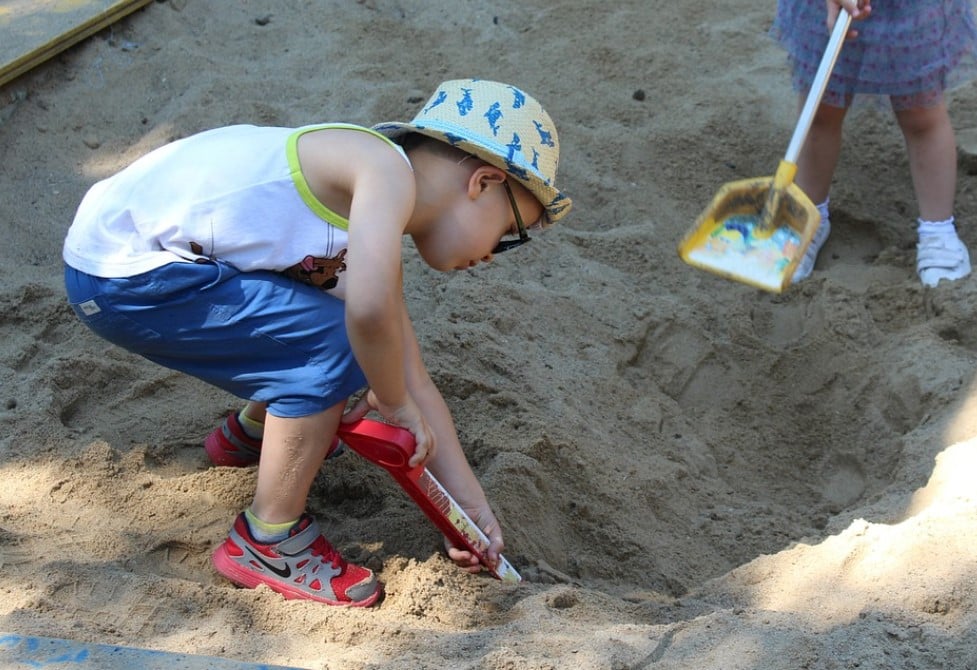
(35, 31)
(730, 242)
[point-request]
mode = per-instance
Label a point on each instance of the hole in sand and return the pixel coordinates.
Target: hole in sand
(719, 441)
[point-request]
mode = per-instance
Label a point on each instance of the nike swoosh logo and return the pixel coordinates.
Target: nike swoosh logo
(284, 573)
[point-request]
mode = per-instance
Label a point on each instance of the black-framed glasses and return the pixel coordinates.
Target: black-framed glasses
(505, 245)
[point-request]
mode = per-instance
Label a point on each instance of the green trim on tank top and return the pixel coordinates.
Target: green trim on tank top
(291, 151)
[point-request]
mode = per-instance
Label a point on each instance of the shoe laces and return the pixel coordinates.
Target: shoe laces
(320, 547)
(327, 553)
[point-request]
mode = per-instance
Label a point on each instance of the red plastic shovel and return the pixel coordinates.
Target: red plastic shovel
(391, 447)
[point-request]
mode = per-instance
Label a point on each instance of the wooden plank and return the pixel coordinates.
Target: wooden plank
(32, 31)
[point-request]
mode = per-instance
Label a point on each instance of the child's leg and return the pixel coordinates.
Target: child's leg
(291, 454)
(806, 265)
(237, 441)
(819, 155)
(932, 151)
(254, 412)
(275, 543)
(253, 335)
(815, 168)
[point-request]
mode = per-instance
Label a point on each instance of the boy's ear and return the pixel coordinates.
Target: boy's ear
(483, 177)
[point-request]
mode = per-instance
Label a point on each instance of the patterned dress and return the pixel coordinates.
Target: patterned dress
(909, 50)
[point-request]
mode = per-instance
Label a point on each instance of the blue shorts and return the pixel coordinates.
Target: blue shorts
(258, 335)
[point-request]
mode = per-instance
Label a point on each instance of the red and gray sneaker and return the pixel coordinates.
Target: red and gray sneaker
(230, 445)
(302, 566)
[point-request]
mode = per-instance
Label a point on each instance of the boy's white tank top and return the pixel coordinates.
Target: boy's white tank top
(235, 194)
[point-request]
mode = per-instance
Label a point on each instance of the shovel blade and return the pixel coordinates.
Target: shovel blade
(728, 240)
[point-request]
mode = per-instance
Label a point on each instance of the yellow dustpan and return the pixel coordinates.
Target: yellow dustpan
(756, 230)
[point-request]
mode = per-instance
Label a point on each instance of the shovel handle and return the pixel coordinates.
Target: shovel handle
(818, 85)
(783, 178)
(391, 447)
(788, 166)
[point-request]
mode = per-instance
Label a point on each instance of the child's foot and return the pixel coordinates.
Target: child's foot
(806, 264)
(303, 566)
(941, 257)
(230, 445)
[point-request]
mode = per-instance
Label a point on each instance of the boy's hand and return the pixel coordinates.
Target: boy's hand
(406, 416)
(466, 560)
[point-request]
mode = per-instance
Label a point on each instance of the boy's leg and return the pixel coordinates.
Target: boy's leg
(237, 441)
(252, 335)
(292, 451)
(299, 563)
(255, 411)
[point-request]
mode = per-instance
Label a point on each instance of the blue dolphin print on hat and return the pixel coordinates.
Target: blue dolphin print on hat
(518, 97)
(465, 105)
(512, 166)
(493, 115)
(545, 136)
(441, 97)
(453, 139)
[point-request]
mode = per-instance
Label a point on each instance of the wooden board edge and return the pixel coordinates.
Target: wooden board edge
(65, 40)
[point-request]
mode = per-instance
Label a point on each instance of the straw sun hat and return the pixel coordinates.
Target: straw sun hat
(499, 124)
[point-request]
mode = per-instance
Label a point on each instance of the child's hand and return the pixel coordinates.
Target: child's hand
(859, 9)
(406, 416)
(466, 560)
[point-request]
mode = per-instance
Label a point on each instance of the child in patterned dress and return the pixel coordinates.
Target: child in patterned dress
(910, 51)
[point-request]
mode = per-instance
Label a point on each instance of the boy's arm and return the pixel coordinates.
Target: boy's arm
(383, 198)
(449, 465)
(383, 338)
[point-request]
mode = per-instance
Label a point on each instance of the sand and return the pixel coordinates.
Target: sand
(691, 473)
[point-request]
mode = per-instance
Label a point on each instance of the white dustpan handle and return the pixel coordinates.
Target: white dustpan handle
(818, 85)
